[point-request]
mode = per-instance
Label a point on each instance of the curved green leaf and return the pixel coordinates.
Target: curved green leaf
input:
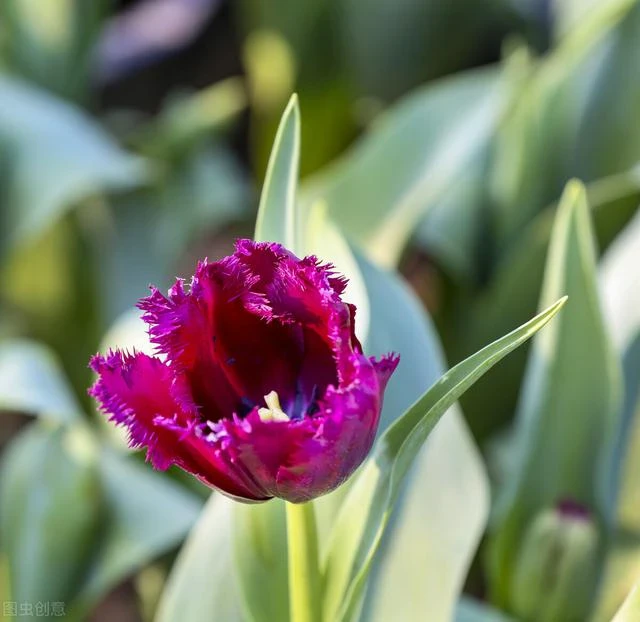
(365, 513)
(276, 213)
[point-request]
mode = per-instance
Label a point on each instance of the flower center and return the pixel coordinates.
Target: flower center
(274, 411)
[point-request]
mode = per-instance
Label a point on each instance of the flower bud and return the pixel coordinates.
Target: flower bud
(556, 572)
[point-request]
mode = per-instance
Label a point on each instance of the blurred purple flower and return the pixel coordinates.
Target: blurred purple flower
(263, 390)
(149, 31)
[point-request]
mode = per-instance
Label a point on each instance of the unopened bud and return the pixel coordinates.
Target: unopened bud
(556, 571)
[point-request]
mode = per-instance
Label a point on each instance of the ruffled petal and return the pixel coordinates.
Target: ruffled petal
(141, 393)
(302, 459)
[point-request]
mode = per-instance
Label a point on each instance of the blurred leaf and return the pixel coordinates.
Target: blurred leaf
(511, 296)
(570, 397)
(50, 42)
(147, 515)
(452, 232)
(202, 586)
(630, 610)
(365, 513)
(199, 194)
(187, 119)
(276, 213)
(620, 285)
(430, 137)
(50, 513)
(609, 138)
(620, 288)
(469, 610)
(622, 562)
(31, 381)
(390, 47)
(55, 157)
(260, 543)
(128, 332)
(537, 148)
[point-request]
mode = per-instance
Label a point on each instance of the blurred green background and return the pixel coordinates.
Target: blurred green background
(440, 134)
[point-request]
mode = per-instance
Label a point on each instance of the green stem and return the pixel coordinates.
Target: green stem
(304, 567)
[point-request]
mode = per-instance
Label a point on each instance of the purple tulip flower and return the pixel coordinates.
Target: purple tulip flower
(260, 388)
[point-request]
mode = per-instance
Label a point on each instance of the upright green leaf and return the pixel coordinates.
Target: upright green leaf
(202, 585)
(365, 513)
(31, 381)
(276, 213)
(569, 404)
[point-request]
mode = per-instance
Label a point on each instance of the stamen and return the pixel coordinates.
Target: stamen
(274, 411)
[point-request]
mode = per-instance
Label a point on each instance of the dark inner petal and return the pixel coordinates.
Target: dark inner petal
(260, 356)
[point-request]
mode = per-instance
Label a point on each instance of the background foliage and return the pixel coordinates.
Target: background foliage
(431, 159)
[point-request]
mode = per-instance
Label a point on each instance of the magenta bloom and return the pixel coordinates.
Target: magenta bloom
(260, 388)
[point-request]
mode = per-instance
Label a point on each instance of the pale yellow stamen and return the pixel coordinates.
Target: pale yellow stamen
(274, 411)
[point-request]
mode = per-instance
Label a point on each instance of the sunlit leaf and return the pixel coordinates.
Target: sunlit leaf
(276, 213)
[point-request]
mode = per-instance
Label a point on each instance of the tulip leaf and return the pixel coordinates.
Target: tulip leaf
(609, 138)
(424, 555)
(148, 516)
(277, 210)
(50, 513)
(430, 137)
(50, 43)
(187, 119)
(630, 610)
(32, 381)
(512, 295)
(366, 511)
(202, 585)
(48, 140)
(570, 398)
